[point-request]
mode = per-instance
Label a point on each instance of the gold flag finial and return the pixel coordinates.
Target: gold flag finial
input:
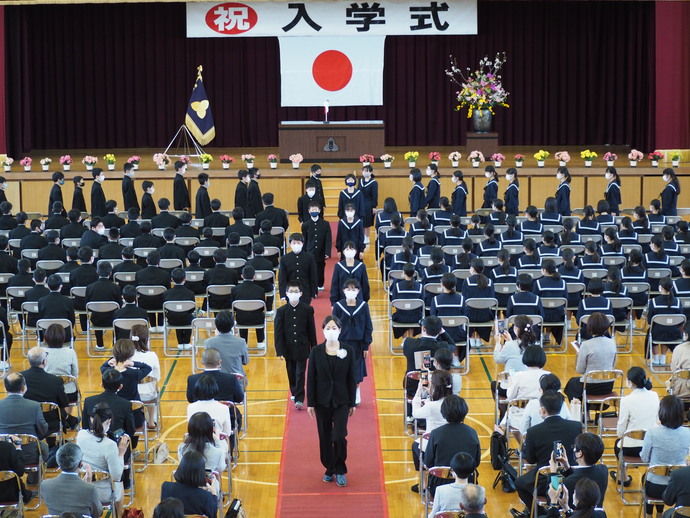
(199, 69)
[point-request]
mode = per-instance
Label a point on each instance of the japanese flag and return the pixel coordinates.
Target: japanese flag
(343, 71)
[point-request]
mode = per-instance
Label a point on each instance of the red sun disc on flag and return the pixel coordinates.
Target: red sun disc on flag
(332, 70)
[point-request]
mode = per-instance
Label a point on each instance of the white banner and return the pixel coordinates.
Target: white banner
(331, 71)
(323, 18)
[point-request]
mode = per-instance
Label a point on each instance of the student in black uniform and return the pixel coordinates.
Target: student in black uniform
(254, 205)
(216, 218)
(203, 201)
(78, 196)
(304, 200)
(460, 193)
(170, 250)
(57, 305)
(318, 240)
(129, 194)
(350, 228)
(132, 228)
(416, 197)
(180, 191)
(351, 195)
(370, 190)
(98, 207)
(433, 195)
(148, 207)
(58, 178)
(242, 189)
(112, 219)
(152, 275)
(165, 219)
(180, 292)
(129, 309)
(315, 179)
(298, 265)
(7, 221)
(220, 274)
(103, 289)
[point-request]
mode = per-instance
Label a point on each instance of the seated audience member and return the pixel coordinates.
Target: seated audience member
(248, 290)
(81, 277)
(35, 294)
(232, 349)
(449, 439)
(112, 219)
(8, 263)
(12, 459)
(121, 409)
(216, 218)
(664, 304)
(75, 228)
(170, 250)
(102, 452)
(61, 360)
(146, 239)
(680, 360)
(57, 305)
(52, 251)
(597, 353)
(198, 496)
(538, 447)
(152, 275)
(69, 492)
(179, 293)
(95, 236)
(220, 274)
(21, 229)
(204, 395)
(132, 228)
(203, 438)
(443, 360)
(7, 221)
(197, 287)
(164, 219)
(169, 508)
(448, 495)
(473, 500)
(112, 249)
(103, 290)
(677, 490)
(531, 416)
(229, 388)
(139, 335)
(585, 501)
(595, 303)
(129, 309)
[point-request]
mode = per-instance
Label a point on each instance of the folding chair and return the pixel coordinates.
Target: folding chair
(142, 431)
(218, 290)
(70, 242)
(663, 320)
(175, 306)
(409, 376)
(593, 273)
(170, 264)
(270, 251)
(608, 420)
(596, 402)
(235, 263)
(206, 251)
(388, 254)
(556, 229)
(573, 287)
(636, 288)
(506, 289)
(682, 375)
(66, 380)
(153, 403)
(553, 303)
(441, 472)
(453, 250)
(126, 324)
(58, 435)
(537, 321)
(44, 323)
(614, 260)
(462, 273)
(101, 306)
(511, 429)
(15, 246)
(15, 292)
(143, 252)
(659, 470)
(231, 458)
(265, 275)
(487, 303)
(199, 324)
(498, 400)
(251, 305)
(125, 277)
(50, 265)
(28, 308)
(126, 241)
(186, 241)
(456, 321)
(152, 291)
(583, 323)
(406, 305)
(537, 500)
(681, 511)
(657, 274)
(30, 253)
(626, 249)
(113, 262)
(241, 378)
(435, 288)
(78, 291)
(627, 323)
(626, 461)
(6, 477)
(158, 232)
(534, 273)
(38, 467)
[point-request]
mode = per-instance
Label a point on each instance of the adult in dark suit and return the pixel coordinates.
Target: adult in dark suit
(97, 195)
(57, 218)
(249, 290)
(12, 459)
(112, 218)
(7, 220)
(82, 276)
(220, 275)
(203, 201)
(677, 491)
(254, 205)
(164, 219)
(300, 266)
(55, 304)
(34, 240)
(277, 217)
(103, 290)
(331, 388)
(129, 309)
(75, 228)
(78, 202)
(69, 492)
(95, 236)
(538, 445)
(129, 194)
(180, 190)
(121, 408)
(132, 228)
(432, 338)
(191, 488)
(58, 178)
(294, 338)
(229, 389)
(179, 292)
(216, 219)
(152, 275)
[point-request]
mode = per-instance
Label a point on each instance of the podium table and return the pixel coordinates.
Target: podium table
(341, 141)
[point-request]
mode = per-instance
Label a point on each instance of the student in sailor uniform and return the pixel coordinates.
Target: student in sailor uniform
(512, 237)
(383, 217)
(351, 195)
(357, 328)
(548, 245)
(612, 245)
(453, 235)
(593, 304)
(491, 187)
(349, 268)
(588, 225)
(504, 274)
(571, 274)
(532, 224)
(603, 215)
(569, 236)
(443, 215)
(669, 196)
(421, 225)
(369, 188)
(551, 216)
(459, 196)
(433, 193)
(430, 243)
(635, 272)
(449, 303)
(657, 258)
(683, 234)
(350, 228)
(406, 256)
(491, 245)
(498, 215)
(681, 288)
(670, 245)
(530, 259)
(392, 237)
(478, 286)
(551, 285)
(476, 229)
(640, 220)
(433, 273)
(464, 259)
(613, 287)
(591, 260)
(512, 194)
(523, 301)
(664, 304)
(613, 189)
(416, 197)
(627, 234)
(563, 191)
(655, 214)
(407, 288)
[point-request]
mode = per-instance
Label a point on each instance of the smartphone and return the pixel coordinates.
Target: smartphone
(501, 327)
(576, 345)
(426, 363)
(425, 378)
(557, 449)
(556, 481)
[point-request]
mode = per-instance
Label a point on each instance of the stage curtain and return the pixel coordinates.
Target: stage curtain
(110, 76)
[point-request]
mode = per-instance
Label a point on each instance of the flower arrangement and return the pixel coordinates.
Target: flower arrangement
(185, 160)
(89, 160)
(519, 158)
(161, 159)
(248, 158)
(134, 159)
(588, 155)
(497, 157)
(366, 158)
(226, 159)
(656, 155)
(434, 156)
(297, 158)
(676, 156)
(26, 161)
(66, 160)
(109, 158)
(273, 159)
(412, 156)
(387, 158)
(481, 89)
(541, 155)
(46, 161)
(455, 156)
(610, 157)
(6, 161)
(206, 158)
(562, 156)
(635, 155)
(476, 156)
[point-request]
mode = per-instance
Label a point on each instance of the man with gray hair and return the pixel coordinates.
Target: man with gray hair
(229, 389)
(68, 492)
(473, 500)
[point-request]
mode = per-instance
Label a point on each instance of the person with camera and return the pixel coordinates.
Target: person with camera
(192, 486)
(585, 497)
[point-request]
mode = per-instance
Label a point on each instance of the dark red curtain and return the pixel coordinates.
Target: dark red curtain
(109, 76)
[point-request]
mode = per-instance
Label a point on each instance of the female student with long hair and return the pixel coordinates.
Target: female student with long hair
(563, 191)
(491, 187)
(459, 196)
(613, 189)
(669, 196)
(479, 286)
(512, 194)
(433, 193)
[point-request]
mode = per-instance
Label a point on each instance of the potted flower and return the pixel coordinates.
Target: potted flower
(655, 156)
(434, 156)
(454, 158)
(476, 158)
(272, 161)
(249, 160)
(89, 162)
(541, 157)
(26, 162)
(610, 158)
(226, 160)
(185, 159)
(7, 162)
(563, 157)
(296, 160)
(366, 159)
(411, 157)
(66, 162)
(635, 156)
(161, 160)
(519, 159)
(387, 160)
(45, 163)
(588, 157)
(676, 157)
(134, 160)
(206, 160)
(110, 160)
(497, 159)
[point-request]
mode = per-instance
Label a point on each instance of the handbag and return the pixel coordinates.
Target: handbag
(497, 449)
(235, 510)
(132, 512)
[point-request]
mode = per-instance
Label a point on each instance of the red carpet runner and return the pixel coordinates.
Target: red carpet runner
(301, 492)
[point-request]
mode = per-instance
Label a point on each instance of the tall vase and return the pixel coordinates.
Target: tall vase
(481, 120)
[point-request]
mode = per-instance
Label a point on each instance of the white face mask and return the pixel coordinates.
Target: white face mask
(351, 294)
(349, 253)
(608, 176)
(152, 190)
(4, 185)
(350, 214)
(509, 177)
(101, 230)
(429, 172)
(106, 428)
(311, 193)
(208, 184)
(101, 178)
(297, 247)
(411, 179)
(331, 335)
(454, 179)
(487, 174)
(559, 176)
(293, 297)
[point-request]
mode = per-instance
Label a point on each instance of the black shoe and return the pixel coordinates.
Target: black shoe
(415, 488)
(519, 514)
(614, 476)
(32, 478)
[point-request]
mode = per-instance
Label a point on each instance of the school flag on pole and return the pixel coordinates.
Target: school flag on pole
(199, 119)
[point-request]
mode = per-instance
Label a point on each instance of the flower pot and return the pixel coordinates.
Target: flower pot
(27, 168)
(609, 163)
(540, 163)
(89, 167)
(111, 167)
(295, 165)
(161, 167)
(435, 162)
(250, 164)
(45, 167)
(562, 163)
(136, 165)
(588, 163)
(475, 164)
(226, 165)
(387, 165)
(454, 163)
(518, 163)
(67, 167)
(675, 163)
(8, 168)
(633, 163)
(205, 165)
(274, 165)
(497, 163)
(364, 164)
(411, 164)
(655, 163)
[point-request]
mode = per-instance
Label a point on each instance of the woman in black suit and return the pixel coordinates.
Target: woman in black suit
(331, 387)
(192, 487)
